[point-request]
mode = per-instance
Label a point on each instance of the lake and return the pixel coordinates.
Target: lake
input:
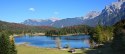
(78, 41)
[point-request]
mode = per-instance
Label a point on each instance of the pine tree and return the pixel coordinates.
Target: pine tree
(98, 34)
(4, 44)
(6, 47)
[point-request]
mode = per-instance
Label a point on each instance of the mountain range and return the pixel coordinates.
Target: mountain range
(55, 22)
(110, 15)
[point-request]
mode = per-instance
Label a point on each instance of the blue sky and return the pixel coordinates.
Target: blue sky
(20, 10)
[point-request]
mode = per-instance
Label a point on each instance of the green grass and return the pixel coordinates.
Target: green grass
(22, 49)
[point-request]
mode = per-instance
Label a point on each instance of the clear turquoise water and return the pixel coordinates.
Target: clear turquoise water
(80, 41)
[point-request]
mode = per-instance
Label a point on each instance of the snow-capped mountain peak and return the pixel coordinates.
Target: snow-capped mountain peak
(54, 19)
(91, 15)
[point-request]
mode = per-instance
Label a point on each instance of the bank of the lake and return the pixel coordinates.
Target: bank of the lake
(35, 34)
(71, 34)
(43, 34)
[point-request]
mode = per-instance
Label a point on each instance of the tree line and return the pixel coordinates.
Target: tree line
(78, 29)
(113, 35)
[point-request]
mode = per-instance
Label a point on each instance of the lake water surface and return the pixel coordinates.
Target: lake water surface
(79, 41)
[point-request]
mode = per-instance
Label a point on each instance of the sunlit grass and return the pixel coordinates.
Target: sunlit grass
(22, 49)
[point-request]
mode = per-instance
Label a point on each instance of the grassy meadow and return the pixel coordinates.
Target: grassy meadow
(22, 49)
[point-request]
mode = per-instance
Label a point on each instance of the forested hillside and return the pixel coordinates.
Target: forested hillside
(20, 28)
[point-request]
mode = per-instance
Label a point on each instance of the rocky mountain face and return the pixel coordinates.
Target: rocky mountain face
(107, 17)
(113, 13)
(110, 15)
(121, 0)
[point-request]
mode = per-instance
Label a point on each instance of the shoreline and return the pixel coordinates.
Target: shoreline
(36, 34)
(27, 45)
(71, 34)
(43, 34)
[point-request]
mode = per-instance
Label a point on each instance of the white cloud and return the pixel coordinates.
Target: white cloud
(32, 9)
(56, 13)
